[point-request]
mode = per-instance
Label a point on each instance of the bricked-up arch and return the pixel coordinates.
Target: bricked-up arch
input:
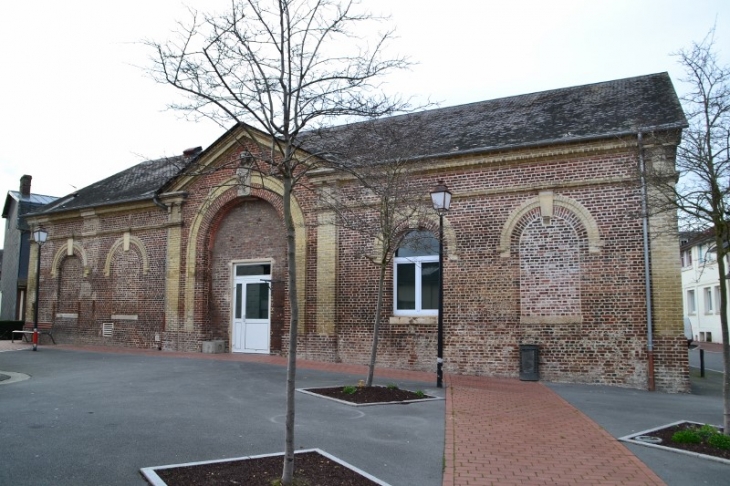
(69, 248)
(131, 241)
(550, 268)
(126, 276)
(546, 202)
(551, 233)
(263, 187)
(70, 275)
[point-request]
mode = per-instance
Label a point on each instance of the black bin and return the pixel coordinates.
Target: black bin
(529, 362)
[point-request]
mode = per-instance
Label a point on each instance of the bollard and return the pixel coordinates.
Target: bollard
(702, 363)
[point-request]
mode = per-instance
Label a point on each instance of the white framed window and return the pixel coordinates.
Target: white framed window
(416, 275)
(707, 296)
(717, 299)
(686, 257)
(706, 253)
(691, 302)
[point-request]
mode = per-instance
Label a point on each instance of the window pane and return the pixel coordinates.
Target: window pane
(691, 307)
(430, 286)
(257, 301)
(239, 293)
(418, 243)
(243, 270)
(406, 286)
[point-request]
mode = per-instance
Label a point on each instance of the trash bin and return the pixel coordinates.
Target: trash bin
(529, 362)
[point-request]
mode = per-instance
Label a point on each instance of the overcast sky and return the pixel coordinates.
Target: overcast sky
(77, 108)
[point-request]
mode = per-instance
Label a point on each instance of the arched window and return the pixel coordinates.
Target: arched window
(416, 275)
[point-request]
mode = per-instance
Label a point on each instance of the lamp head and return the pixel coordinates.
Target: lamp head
(441, 197)
(40, 235)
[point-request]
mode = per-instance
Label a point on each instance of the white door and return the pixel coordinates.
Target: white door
(251, 323)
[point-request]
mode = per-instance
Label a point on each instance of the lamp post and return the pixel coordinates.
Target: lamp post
(441, 198)
(39, 236)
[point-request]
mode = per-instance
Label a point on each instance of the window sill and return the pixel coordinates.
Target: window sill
(410, 320)
(551, 320)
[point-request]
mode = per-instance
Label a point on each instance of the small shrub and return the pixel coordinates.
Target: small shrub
(420, 394)
(391, 386)
(687, 437)
(721, 441)
(349, 389)
(707, 431)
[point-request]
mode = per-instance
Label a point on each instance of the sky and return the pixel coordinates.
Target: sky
(76, 105)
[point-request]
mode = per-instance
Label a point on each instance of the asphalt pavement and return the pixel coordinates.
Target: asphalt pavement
(96, 418)
(87, 418)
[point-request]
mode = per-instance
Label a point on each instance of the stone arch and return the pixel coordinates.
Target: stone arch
(430, 223)
(70, 248)
(546, 201)
(131, 240)
(263, 187)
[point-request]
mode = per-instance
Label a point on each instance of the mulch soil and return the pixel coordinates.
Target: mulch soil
(665, 435)
(310, 468)
(369, 394)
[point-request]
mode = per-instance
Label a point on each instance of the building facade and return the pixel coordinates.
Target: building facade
(16, 250)
(543, 245)
(701, 286)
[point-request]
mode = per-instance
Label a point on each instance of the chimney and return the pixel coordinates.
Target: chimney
(25, 185)
(192, 151)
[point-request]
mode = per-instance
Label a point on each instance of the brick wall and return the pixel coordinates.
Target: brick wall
(542, 247)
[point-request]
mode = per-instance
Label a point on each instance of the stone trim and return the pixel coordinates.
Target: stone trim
(262, 182)
(551, 320)
(585, 217)
(66, 250)
(413, 320)
(125, 241)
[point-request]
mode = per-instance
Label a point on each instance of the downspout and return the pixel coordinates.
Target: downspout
(647, 266)
(156, 200)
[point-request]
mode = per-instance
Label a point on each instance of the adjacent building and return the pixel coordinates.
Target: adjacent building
(16, 250)
(543, 246)
(701, 285)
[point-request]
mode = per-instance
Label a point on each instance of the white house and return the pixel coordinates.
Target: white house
(701, 285)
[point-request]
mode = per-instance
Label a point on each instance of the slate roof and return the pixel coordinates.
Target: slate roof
(26, 205)
(600, 110)
(138, 183)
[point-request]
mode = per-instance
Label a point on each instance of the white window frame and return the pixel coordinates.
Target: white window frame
(707, 297)
(691, 302)
(717, 298)
(686, 258)
(417, 261)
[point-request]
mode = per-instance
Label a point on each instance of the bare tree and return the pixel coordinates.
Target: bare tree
(700, 196)
(390, 198)
(280, 67)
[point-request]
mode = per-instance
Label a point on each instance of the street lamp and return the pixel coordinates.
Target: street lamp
(39, 236)
(441, 198)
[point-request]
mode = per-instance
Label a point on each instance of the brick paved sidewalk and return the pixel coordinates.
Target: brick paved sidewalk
(497, 431)
(507, 432)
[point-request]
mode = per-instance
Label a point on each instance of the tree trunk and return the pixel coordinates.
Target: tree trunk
(291, 369)
(376, 325)
(720, 238)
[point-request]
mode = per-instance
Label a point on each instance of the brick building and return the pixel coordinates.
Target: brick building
(543, 245)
